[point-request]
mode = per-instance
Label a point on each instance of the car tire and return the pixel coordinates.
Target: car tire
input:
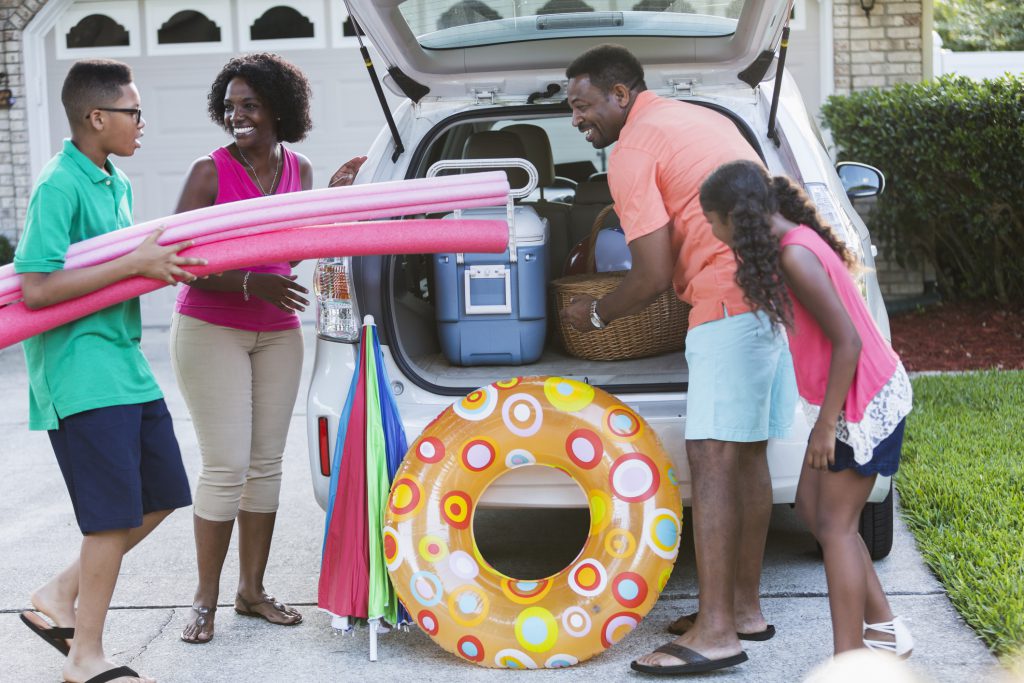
(876, 521)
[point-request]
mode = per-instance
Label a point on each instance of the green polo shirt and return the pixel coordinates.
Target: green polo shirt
(95, 361)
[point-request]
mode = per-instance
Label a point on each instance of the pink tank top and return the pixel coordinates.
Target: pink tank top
(230, 309)
(812, 350)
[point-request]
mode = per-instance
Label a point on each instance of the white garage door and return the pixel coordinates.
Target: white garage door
(173, 78)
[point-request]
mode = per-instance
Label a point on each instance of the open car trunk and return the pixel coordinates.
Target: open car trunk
(572, 189)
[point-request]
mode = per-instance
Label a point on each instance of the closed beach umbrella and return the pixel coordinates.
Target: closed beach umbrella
(345, 565)
(354, 581)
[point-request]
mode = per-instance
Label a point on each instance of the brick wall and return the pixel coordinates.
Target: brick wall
(15, 169)
(880, 49)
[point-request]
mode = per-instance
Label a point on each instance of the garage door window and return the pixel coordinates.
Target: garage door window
(188, 27)
(295, 24)
(174, 27)
(99, 29)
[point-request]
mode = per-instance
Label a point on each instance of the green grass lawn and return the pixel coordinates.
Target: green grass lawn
(961, 485)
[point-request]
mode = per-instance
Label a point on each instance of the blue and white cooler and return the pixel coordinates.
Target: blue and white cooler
(492, 308)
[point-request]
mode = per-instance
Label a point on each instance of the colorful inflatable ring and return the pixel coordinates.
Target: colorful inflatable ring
(485, 617)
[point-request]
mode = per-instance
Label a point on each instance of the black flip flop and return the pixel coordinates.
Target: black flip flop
(56, 636)
(767, 634)
(695, 662)
(113, 674)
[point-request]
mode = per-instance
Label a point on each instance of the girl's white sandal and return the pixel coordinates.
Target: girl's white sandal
(901, 645)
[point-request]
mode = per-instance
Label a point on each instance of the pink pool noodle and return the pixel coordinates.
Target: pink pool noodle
(431, 186)
(12, 288)
(301, 209)
(18, 322)
(312, 203)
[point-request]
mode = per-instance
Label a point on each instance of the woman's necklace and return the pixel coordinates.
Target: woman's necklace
(280, 162)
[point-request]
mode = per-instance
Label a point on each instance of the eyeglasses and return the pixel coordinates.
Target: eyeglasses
(137, 113)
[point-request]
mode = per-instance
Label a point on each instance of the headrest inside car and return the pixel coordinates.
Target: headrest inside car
(593, 192)
(497, 144)
(538, 150)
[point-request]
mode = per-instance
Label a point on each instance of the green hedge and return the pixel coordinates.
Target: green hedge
(952, 151)
(6, 251)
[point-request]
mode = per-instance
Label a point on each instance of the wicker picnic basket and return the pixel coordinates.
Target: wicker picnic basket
(659, 328)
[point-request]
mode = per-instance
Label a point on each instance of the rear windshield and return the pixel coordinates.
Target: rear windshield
(440, 24)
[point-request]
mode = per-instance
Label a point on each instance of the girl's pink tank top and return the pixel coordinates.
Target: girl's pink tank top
(230, 309)
(812, 350)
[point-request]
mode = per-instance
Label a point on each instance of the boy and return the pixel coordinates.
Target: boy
(89, 384)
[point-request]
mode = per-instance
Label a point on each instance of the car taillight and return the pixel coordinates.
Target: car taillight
(337, 315)
(324, 446)
(832, 214)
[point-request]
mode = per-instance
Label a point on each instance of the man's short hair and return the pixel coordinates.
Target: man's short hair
(92, 83)
(606, 65)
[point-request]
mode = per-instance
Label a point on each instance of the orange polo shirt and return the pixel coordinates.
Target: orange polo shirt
(665, 151)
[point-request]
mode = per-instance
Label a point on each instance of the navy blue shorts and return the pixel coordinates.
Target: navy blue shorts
(120, 463)
(884, 461)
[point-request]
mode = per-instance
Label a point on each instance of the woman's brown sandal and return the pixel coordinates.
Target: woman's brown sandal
(202, 618)
(248, 610)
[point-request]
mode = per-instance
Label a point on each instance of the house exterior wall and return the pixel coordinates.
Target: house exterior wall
(880, 49)
(15, 170)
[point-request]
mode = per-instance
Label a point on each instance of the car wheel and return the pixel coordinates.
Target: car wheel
(876, 526)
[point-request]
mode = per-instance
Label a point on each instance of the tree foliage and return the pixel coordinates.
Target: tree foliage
(6, 250)
(980, 25)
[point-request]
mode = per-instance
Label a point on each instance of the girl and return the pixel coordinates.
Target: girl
(855, 391)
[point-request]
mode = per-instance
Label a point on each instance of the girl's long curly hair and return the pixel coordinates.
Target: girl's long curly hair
(281, 85)
(745, 192)
(742, 190)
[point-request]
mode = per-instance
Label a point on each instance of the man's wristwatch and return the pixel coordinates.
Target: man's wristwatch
(595, 318)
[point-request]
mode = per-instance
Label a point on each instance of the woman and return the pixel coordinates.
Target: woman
(855, 391)
(236, 347)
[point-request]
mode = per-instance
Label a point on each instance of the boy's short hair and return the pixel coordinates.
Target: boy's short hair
(608, 64)
(91, 83)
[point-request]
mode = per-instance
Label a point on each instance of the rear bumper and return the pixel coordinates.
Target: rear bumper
(535, 487)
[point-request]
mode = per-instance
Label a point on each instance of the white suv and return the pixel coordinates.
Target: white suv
(471, 68)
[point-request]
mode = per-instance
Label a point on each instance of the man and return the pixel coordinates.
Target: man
(741, 386)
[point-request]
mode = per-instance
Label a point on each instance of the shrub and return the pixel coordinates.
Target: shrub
(951, 150)
(6, 251)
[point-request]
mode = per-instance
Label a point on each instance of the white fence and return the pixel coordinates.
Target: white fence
(974, 64)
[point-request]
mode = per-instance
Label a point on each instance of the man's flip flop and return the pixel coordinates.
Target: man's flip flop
(767, 634)
(695, 662)
(54, 635)
(113, 674)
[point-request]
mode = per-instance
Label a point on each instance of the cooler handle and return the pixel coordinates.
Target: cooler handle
(493, 272)
(524, 191)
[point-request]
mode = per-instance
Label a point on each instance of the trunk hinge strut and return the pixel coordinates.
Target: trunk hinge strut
(399, 147)
(773, 134)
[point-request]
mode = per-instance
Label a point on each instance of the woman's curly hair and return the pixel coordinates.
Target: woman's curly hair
(743, 191)
(280, 84)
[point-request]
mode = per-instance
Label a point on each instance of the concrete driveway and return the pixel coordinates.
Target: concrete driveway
(38, 536)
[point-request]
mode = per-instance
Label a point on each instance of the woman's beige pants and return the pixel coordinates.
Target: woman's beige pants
(240, 388)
